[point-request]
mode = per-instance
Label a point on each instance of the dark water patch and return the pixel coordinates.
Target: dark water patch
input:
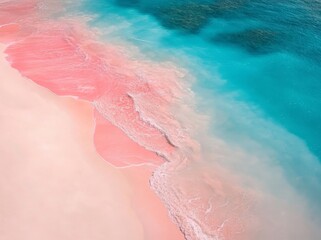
(254, 41)
(187, 16)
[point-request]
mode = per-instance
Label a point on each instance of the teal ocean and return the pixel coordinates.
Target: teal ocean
(269, 52)
(262, 55)
(256, 67)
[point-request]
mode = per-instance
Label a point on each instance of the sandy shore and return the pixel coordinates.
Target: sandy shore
(54, 185)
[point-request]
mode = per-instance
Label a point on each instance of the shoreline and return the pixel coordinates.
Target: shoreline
(49, 160)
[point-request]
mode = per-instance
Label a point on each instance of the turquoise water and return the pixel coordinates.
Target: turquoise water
(274, 49)
(257, 69)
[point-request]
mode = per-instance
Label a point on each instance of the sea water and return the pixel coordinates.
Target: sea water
(256, 76)
(273, 48)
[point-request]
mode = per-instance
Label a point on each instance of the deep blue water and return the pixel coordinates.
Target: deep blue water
(257, 65)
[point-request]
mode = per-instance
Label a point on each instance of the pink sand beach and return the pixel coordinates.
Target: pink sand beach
(56, 182)
(54, 185)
